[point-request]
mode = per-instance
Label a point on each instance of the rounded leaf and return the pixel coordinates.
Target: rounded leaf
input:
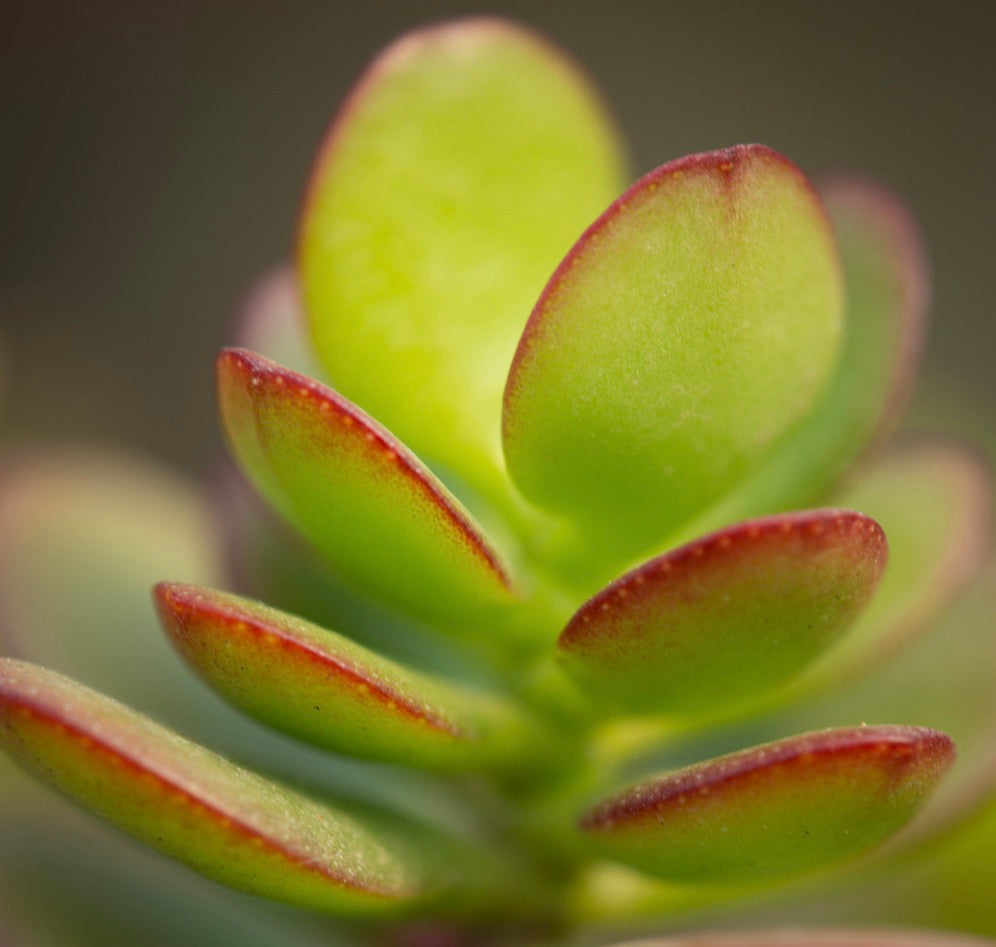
(727, 617)
(461, 169)
(691, 325)
(774, 810)
(885, 272)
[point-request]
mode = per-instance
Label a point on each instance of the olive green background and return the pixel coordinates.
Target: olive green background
(152, 157)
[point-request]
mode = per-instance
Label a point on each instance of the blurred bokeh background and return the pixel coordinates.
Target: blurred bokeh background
(152, 157)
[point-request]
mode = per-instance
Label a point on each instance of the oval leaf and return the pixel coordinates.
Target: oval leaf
(355, 492)
(777, 809)
(726, 617)
(185, 801)
(885, 273)
(691, 325)
(325, 689)
(462, 167)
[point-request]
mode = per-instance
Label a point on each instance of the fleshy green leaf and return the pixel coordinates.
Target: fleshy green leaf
(691, 325)
(462, 168)
(885, 274)
(356, 493)
(219, 819)
(726, 617)
(83, 535)
(66, 880)
(778, 809)
(933, 501)
(325, 689)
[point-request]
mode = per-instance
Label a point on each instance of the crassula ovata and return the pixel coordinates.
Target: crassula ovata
(570, 484)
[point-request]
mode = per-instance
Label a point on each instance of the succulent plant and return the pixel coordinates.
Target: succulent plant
(562, 560)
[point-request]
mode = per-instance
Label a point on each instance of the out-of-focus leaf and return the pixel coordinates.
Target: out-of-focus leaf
(885, 274)
(219, 819)
(271, 322)
(691, 325)
(779, 809)
(357, 493)
(323, 688)
(933, 502)
(727, 617)
(83, 536)
(463, 166)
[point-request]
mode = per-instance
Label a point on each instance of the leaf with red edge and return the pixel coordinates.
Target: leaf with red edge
(779, 809)
(225, 822)
(329, 691)
(885, 271)
(725, 618)
(355, 492)
(687, 330)
(456, 175)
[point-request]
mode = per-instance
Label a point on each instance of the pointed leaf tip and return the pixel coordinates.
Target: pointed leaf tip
(726, 617)
(353, 490)
(690, 326)
(185, 801)
(778, 809)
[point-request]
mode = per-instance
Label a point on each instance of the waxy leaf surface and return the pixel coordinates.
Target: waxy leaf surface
(329, 691)
(885, 275)
(185, 801)
(691, 325)
(463, 166)
(355, 492)
(726, 617)
(773, 810)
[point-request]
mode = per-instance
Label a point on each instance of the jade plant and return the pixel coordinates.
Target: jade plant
(586, 506)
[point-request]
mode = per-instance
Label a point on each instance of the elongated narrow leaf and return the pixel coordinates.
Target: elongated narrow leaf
(325, 689)
(933, 500)
(777, 809)
(885, 273)
(727, 616)
(461, 169)
(355, 492)
(692, 324)
(219, 819)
